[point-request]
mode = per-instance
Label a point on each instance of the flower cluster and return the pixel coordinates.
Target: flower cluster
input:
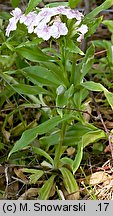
(47, 23)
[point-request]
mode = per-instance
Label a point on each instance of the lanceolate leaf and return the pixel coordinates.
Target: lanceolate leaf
(69, 180)
(74, 3)
(78, 158)
(109, 24)
(105, 5)
(31, 5)
(46, 188)
(36, 174)
(15, 3)
(92, 86)
(109, 96)
(41, 152)
(33, 54)
(88, 138)
(87, 61)
(29, 135)
(93, 136)
(42, 75)
(28, 89)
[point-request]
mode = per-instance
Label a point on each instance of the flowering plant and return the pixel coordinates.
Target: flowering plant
(55, 74)
(47, 23)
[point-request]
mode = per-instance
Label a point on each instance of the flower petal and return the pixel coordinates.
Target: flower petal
(11, 26)
(83, 29)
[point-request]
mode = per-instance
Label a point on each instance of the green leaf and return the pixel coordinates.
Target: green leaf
(29, 135)
(27, 89)
(57, 71)
(56, 4)
(66, 160)
(4, 15)
(88, 138)
(6, 93)
(73, 3)
(93, 136)
(78, 158)
(93, 25)
(63, 97)
(33, 54)
(107, 45)
(36, 174)
(73, 135)
(15, 3)
(69, 180)
(71, 47)
(109, 97)
(92, 86)
(84, 67)
(41, 152)
(46, 189)
(87, 61)
(31, 5)
(39, 74)
(52, 139)
(109, 24)
(105, 5)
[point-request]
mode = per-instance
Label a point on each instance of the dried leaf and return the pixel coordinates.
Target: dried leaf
(6, 135)
(20, 174)
(99, 177)
(31, 192)
(10, 120)
(53, 190)
(88, 109)
(70, 151)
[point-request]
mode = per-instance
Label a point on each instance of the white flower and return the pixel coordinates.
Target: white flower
(11, 26)
(17, 13)
(44, 15)
(28, 20)
(58, 28)
(60, 10)
(80, 38)
(43, 32)
(47, 22)
(74, 14)
(70, 13)
(83, 29)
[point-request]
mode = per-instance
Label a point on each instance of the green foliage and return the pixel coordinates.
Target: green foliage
(29, 135)
(31, 5)
(15, 3)
(105, 5)
(92, 86)
(69, 180)
(35, 174)
(109, 24)
(41, 152)
(32, 53)
(74, 3)
(46, 188)
(50, 77)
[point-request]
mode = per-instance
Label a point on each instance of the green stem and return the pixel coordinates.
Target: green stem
(73, 69)
(58, 151)
(64, 55)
